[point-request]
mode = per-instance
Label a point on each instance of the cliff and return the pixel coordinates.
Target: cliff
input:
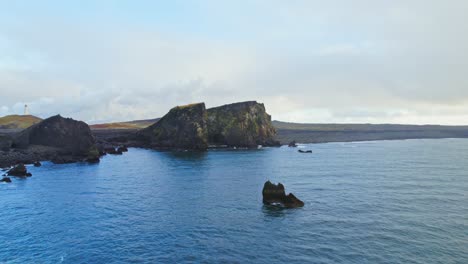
(244, 124)
(184, 127)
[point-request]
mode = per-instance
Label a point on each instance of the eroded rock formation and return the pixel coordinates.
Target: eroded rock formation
(274, 194)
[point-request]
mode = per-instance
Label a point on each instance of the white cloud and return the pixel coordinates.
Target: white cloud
(308, 61)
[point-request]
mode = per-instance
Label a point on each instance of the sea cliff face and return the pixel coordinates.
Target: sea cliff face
(184, 127)
(244, 124)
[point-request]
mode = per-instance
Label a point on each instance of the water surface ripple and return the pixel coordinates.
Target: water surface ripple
(371, 202)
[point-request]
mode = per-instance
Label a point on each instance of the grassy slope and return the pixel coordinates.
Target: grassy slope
(137, 124)
(18, 121)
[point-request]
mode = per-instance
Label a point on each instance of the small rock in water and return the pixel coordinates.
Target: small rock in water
(275, 194)
(19, 171)
(292, 144)
(5, 179)
(37, 164)
(305, 151)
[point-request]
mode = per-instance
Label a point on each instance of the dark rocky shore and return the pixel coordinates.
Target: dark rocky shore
(189, 127)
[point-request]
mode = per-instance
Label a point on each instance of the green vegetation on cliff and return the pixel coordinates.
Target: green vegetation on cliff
(183, 127)
(244, 124)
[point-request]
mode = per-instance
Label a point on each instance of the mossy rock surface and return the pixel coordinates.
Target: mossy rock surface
(244, 124)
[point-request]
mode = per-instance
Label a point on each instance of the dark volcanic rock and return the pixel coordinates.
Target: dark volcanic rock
(112, 151)
(37, 164)
(122, 149)
(304, 151)
(19, 171)
(292, 144)
(5, 179)
(184, 127)
(65, 159)
(243, 124)
(5, 142)
(275, 194)
(71, 136)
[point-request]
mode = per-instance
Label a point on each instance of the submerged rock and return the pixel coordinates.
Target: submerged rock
(275, 195)
(244, 124)
(5, 179)
(19, 171)
(184, 127)
(304, 151)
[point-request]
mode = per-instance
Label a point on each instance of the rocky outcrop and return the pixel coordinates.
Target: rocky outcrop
(5, 179)
(19, 171)
(37, 164)
(65, 133)
(184, 127)
(275, 195)
(244, 124)
(292, 144)
(113, 151)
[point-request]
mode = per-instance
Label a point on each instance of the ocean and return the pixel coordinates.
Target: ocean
(365, 202)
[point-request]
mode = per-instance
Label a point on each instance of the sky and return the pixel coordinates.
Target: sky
(360, 61)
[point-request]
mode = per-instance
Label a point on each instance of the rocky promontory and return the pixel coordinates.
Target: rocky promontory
(244, 124)
(184, 127)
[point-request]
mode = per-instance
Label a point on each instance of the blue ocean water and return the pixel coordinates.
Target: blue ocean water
(370, 202)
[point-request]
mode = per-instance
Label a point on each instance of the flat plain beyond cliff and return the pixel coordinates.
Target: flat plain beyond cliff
(287, 131)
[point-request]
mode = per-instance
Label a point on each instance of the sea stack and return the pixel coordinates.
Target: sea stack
(184, 127)
(274, 194)
(244, 124)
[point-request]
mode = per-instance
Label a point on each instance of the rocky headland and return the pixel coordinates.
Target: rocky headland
(244, 125)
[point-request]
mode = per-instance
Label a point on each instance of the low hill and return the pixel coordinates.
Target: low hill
(136, 124)
(316, 133)
(18, 121)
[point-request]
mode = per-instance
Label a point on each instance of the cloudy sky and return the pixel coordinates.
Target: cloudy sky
(360, 61)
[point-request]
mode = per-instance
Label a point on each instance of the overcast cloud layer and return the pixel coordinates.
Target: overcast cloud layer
(308, 61)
